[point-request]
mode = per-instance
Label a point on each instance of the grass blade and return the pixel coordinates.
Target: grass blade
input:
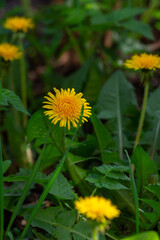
(51, 181)
(27, 187)
(135, 194)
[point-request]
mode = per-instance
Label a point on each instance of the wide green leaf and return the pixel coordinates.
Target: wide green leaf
(116, 96)
(66, 219)
(138, 27)
(116, 16)
(144, 166)
(151, 235)
(61, 188)
(38, 127)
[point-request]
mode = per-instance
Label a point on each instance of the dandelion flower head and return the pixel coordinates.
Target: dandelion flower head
(65, 107)
(18, 24)
(97, 208)
(143, 61)
(9, 52)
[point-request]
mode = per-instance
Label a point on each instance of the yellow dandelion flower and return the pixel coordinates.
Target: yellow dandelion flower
(97, 208)
(143, 61)
(65, 107)
(9, 52)
(18, 24)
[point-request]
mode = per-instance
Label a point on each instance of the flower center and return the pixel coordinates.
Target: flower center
(67, 107)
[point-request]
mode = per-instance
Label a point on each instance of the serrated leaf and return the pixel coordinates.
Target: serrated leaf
(102, 181)
(109, 172)
(9, 96)
(61, 188)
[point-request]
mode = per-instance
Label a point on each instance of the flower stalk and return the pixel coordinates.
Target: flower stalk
(142, 116)
(23, 79)
(95, 234)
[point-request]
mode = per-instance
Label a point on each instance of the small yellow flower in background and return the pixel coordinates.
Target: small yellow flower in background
(18, 24)
(143, 61)
(97, 208)
(65, 107)
(9, 52)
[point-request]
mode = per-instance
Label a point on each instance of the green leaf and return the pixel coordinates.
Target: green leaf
(102, 133)
(115, 172)
(61, 188)
(40, 236)
(138, 27)
(85, 228)
(111, 157)
(38, 127)
(154, 204)
(65, 219)
(153, 103)
(77, 79)
(45, 219)
(154, 189)
(9, 96)
(116, 96)
(101, 181)
(144, 167)
(116, 16)
(6, 165)
(151, 235)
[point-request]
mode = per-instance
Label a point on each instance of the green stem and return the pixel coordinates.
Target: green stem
(135, 194)
(75, 44)
(141, 121)
(95, 234)
(155, 139)
(23, 80)
(119, 123)
(26, 189)
(27, 7)
(1, 195)
(51, 181)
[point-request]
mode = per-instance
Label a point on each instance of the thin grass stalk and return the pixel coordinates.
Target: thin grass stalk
(27, 187)
(142, 116)
(134, 192)
(155, 139)
(51, 181)
(1, 195)
(23, 79)
(119, 123)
